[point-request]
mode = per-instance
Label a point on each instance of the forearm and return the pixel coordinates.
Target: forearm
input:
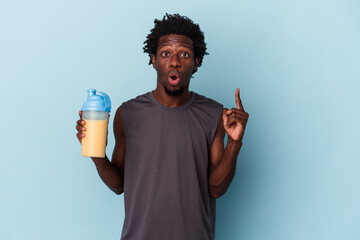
(110, 174)
(222, 175)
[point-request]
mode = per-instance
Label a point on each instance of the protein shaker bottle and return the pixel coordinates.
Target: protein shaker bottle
(95, 113)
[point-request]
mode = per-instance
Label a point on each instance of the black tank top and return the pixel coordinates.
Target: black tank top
(166, 191)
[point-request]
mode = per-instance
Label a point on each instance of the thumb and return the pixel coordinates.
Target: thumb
(224, 115)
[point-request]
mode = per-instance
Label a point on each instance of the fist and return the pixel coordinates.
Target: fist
(80, 127)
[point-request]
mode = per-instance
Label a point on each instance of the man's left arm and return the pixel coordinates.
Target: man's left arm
(223, 161)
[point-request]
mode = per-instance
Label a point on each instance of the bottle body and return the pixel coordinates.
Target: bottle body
(94, 142)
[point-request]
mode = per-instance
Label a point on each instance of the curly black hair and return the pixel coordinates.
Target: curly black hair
(176, 24)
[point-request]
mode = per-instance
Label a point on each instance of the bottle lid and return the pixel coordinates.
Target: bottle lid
(97, 101)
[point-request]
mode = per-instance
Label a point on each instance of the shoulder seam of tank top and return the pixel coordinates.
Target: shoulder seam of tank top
(162, 107)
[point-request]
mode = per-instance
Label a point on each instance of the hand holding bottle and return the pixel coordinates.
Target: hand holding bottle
(95, 116)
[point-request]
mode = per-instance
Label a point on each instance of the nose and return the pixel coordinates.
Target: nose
(175, 61)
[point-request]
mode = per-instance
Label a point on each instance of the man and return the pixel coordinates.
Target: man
(169, 157)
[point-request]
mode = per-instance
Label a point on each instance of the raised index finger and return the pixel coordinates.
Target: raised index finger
(238, 100)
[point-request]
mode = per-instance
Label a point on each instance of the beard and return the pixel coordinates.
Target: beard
(174, 93)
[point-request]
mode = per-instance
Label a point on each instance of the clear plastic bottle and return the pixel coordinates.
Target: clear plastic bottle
(95, 113)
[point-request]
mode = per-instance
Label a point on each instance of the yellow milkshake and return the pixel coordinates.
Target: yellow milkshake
(95, 113)
(94, 142)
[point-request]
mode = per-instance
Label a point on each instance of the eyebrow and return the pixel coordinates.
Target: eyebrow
(181, 45)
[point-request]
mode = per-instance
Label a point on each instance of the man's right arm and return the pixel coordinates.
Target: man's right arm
(112, 173)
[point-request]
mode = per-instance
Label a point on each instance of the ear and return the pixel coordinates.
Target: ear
(197, 61)
(153, 60)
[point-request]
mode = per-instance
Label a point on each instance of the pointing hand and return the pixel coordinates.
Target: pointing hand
(235, 119)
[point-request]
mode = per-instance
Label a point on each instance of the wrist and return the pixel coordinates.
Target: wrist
(100, 161)
(236, 143)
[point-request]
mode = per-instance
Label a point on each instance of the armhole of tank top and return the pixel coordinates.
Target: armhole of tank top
(123, 113)
(218, 117)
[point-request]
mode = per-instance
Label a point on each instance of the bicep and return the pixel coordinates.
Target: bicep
(217, 146)
(118, 157)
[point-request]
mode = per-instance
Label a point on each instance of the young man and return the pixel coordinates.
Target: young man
(169, 157)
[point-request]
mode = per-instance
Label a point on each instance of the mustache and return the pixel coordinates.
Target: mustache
(174, 73)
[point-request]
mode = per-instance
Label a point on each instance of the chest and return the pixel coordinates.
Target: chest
(176, 129)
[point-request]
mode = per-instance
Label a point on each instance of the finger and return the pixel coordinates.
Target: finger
(230, 118)
(80, 136)
(231, 122)
(80, 114)
(224, 115)
(236, 121)
(224, 112)
(227, 111)
(80, 122)
(233, 118)
(238, 100)
(80, 128)
(240, 112)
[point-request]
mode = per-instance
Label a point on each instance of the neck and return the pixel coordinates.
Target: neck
(171, 101)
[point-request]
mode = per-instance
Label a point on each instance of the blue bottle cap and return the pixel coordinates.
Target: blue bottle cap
(97, 101)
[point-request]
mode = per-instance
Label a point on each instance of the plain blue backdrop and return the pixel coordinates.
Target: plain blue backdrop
(296, 64)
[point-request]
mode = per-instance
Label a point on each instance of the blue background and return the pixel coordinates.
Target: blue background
(297, 66)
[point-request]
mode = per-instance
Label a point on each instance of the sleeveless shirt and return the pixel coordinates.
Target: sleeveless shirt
(166, 195)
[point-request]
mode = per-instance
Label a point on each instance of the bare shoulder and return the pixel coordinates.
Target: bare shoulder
(118, 156)
(217, 146)
(219, 134)
(118, 124)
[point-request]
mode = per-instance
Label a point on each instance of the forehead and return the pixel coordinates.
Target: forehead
(175, 40)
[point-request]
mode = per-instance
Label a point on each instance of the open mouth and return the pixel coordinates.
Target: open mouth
(174, 78)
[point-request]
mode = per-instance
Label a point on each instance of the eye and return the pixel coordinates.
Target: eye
(165, 54)
(184, 54)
